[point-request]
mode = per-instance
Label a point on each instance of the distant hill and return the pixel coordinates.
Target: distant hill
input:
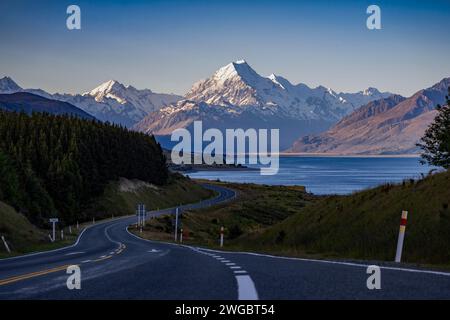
(29, 103)
(391, 125)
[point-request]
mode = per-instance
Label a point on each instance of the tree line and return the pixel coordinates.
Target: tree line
(57, 165)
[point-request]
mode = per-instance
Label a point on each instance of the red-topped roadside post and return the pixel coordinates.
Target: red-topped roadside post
(401, 236)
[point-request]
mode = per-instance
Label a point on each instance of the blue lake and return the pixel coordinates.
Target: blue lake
(329, 175)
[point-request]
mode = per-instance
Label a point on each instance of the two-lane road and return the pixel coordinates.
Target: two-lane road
(118, 265)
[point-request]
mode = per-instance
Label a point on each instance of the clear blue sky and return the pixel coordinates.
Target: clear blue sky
(168, 45)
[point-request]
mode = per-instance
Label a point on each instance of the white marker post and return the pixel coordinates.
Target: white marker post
(401, 236)
(53, 221)
(181, 235)
(143, 215)
(93, 220)
(70, 229)
(221, 236)
(78, 226)
(62, 234)
(6, 244)
(176, 224)
(137, 215)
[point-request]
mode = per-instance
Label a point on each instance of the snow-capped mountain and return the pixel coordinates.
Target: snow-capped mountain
(7, 85)
(111, 101)
(119, 97)
(236, 96)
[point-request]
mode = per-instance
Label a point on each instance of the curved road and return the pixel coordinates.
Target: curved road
(118, 265)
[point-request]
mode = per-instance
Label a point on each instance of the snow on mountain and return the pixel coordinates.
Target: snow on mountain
(242, 96)
(111, 101)
(7, 85)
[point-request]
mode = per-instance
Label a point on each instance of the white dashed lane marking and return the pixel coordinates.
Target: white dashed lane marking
(246, 287)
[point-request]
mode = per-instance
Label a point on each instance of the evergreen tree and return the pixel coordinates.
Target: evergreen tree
(436, 141)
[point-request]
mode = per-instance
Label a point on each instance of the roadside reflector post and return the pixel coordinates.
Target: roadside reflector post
(6, 244)
(70, 229)
(53, 221)
(181, 235)
(62, 234)
(78, 226)
(93, 220)
(176, 224)
(221, 236)
(137, 215)
(401, 236)
(143, 215)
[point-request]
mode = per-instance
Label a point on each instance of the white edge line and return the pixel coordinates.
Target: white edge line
(67, 247)
(351, 264)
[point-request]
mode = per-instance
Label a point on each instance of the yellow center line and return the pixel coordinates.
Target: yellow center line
(104, 258)
(44, 272)
(32, 275)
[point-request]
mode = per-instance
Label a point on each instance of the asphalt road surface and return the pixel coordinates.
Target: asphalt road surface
(118, 265)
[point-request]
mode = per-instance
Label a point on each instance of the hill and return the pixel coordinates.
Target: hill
(388, 126)
(365, 225)
(29, 103)
(17, 230)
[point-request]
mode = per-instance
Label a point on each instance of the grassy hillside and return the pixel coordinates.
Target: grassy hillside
(17, 229)
(23, 237)
(121, 198)
(256, 208)
(365, 224)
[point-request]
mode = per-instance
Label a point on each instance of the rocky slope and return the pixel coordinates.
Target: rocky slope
(388, 126)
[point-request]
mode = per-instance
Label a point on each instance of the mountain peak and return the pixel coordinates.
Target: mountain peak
(106, 87)
(370, 91)
(7, 85)
(239, 68)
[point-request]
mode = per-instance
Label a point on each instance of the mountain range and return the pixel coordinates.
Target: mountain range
(311, 120)
(236, 96)
(110, 101)
(391, 125)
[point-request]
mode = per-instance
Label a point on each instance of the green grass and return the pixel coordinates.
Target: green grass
(121, 198)
(365, 225)
(17, 230)
(23, 237)
(256, 208)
